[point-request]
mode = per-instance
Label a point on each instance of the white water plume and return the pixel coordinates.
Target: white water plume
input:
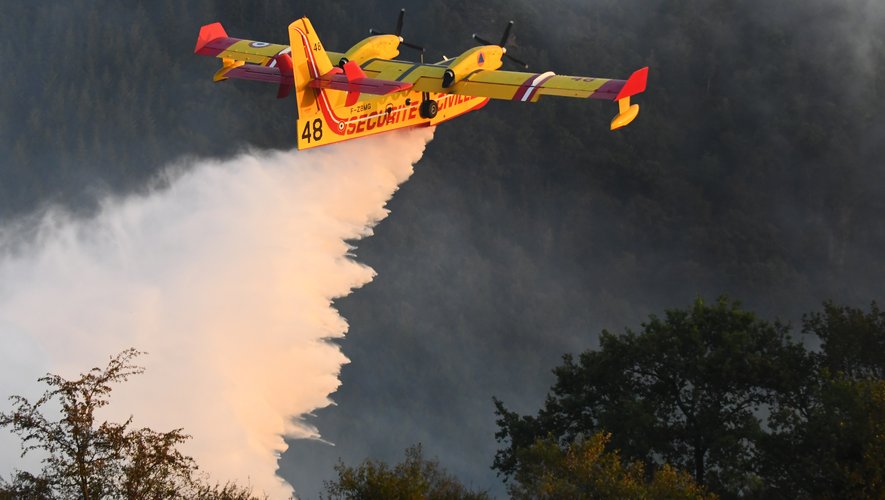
(225, 278)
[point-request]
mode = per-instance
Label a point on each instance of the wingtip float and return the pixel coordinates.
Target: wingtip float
(367, 90)
(627, 112)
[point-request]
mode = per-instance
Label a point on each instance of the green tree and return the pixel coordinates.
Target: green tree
(413, 479)
(833, 445)
(828, 439)
(87, 459)
(688, 390)
(585, 470)
(852, 340)
(25, 486)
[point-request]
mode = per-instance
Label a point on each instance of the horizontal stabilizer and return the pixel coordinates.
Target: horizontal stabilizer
(256, 73)
(355, 80)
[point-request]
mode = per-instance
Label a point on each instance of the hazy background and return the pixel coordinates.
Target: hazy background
(754, 169)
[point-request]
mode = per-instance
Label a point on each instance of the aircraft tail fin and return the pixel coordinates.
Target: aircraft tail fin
(309, 62)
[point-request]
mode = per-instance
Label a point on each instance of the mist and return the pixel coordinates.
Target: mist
(225, 278)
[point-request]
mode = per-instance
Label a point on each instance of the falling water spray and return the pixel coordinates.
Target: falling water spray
(226, 278)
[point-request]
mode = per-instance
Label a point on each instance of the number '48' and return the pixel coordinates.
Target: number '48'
(313, 130)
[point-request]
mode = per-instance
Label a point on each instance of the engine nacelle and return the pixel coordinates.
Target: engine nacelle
(484, 57)
(377, 46)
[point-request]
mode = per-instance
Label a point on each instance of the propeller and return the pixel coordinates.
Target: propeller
(503, 44)
(399, 33)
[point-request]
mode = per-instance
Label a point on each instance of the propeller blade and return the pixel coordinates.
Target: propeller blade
(482, 40)
(399, 22)
(517, 61)
(506, 34)
(399, 33)
(504, 40)
(413, 46)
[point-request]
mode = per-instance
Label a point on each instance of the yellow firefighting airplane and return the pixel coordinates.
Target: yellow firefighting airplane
(366, 91)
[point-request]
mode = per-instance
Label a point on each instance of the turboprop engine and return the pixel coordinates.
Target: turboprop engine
(379, 45)
(487, 56)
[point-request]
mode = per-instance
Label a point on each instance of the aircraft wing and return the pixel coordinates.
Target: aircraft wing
(529, 87)
(517, 86)
(351, 78)
(507, 85)
(422, 77)
(213, 41)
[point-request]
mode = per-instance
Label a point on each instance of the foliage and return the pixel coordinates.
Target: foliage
(833, 446)
(585, 470)
(87, 459)
(828, 438)
(25, 486)
(853, 341)
(687, 389)
(414, 478)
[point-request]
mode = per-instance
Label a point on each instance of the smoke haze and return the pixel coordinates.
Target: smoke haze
(226, 278)
(754, 169)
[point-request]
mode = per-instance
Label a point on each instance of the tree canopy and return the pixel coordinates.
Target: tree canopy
(827, 438)
(415, 478)
(584, 469)
(852, 340)
(728, 396)
(703, 402)
(87, 459)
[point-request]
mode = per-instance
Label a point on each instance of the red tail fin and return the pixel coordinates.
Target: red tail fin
(287, 82)
(353, 72)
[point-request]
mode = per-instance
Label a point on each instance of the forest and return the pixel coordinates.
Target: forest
(707, 401)
(754, 170)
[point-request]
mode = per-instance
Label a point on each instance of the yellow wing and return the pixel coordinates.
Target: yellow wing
(423, 77)
(213, 41)
(507, 85)
(529, 87)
